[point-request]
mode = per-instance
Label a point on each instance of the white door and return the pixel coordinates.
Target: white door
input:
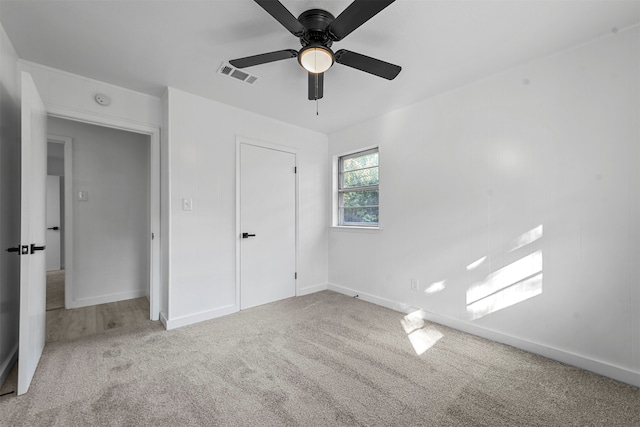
(32, 233)
(52, 241)
(267, 225)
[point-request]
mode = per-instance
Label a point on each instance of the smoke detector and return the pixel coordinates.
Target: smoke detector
(102, 99)
(228, 70)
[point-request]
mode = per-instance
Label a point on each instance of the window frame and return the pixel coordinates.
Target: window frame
(340, 190)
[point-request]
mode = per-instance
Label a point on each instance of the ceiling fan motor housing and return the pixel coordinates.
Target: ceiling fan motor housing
(316, 40)
(316, 22)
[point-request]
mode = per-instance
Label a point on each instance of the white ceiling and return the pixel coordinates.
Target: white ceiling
(146, 45)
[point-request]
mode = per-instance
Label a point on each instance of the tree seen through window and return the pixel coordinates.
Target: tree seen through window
(358, 192)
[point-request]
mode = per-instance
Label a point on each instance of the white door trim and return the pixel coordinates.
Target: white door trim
(68, 214)
(241, 140)
(154, 196)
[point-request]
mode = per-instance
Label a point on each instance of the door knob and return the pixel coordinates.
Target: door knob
(35, 248)
(22, 250)
(247, 235)
(53, 228)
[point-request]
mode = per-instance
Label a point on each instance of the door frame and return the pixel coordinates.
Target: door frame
(154, 195)
(241, 140)
(68, 213)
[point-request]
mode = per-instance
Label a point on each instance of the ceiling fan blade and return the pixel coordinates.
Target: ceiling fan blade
(316, 84)
(356, 14)
(367, 64)
(282, 15)
(263, 58)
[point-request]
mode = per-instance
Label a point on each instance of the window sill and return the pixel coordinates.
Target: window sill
(343, 228)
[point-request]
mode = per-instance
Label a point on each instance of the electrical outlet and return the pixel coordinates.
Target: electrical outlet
(187, 204)
(415, 283)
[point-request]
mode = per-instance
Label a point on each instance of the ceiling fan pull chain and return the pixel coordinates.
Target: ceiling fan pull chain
(317, 78)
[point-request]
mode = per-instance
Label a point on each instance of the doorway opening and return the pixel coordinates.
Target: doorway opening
(58, 148)
(99, 270)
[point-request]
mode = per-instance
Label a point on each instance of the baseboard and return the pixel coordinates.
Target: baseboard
(598, 367)
(311, 289)
(190, 319)
(7, 364)
(393, 305)
(602, 368)
(105, 299)
(163, 319)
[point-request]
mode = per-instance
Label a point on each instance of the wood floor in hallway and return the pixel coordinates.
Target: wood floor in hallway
(71, 324)
(65, 324)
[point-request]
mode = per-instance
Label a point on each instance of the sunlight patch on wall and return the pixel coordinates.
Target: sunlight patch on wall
(525, 238)
(476, 264)
(421, 336)
(506, 276)
(435, 287)
(514, 294)
(509, 285)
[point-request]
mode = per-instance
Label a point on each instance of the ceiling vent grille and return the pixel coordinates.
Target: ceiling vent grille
(228, 70)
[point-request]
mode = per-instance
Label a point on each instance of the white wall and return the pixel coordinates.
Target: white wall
(465, 174)
(111, 228)
(69, 94)
(201, 145)
(9, 204)
(55, 159)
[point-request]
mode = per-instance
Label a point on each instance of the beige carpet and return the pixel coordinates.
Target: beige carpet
(55, 289)
(319, 360)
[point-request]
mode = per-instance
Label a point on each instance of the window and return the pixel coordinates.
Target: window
(358, 189)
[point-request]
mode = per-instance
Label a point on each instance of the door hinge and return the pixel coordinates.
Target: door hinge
(295, 169)
(153, 236)
(295, 276)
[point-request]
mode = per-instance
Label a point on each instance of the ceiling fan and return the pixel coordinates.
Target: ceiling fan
(317, 29)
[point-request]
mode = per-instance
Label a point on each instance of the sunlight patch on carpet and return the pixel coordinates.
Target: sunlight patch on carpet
(421, 336)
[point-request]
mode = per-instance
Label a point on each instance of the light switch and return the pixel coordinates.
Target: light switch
(187, 204)
(83, 196)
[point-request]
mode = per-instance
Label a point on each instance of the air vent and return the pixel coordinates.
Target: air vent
(239, 75)
(228, 70)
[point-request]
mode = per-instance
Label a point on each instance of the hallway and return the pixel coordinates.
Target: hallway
(64, 325)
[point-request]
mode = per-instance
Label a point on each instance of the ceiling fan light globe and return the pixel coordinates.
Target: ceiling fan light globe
(316, 59)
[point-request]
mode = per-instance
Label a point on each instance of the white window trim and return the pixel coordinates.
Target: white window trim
(335, 221)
